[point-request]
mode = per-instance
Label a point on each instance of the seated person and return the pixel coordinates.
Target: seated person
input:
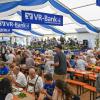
(68, 61)
(11, 58)
(35, 83)
(5, 89)
(48, 86)
(4, 70)
(19, 78)
(98, 60)
(29, 61)
(93, 60)
(48, 68)
(72, 61)
(81, 64)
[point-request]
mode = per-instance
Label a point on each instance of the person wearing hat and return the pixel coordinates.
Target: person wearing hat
(60, 65)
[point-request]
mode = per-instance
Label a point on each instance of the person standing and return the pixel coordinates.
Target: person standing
(60, 65)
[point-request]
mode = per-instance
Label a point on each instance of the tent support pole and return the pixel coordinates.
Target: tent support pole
(99, 40)
(10, 40)
(26, 40)
(15, 38)
(2, 36)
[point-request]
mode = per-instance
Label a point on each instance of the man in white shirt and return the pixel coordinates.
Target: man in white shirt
(19, 78)
(35, 83)
(81, 64)
(93, 60)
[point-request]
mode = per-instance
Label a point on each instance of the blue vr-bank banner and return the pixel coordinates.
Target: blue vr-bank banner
(14, 25)
(42, 18)
(4, 30)
(98, 2)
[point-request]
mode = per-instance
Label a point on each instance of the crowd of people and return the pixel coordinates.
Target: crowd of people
(51, 42)
(43, 74)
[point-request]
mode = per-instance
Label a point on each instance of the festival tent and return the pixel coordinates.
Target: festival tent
(79, 16)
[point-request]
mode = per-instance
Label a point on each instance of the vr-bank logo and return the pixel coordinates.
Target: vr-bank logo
(7, 1)
(42, 18)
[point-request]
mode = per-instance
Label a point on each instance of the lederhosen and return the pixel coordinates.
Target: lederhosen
(34, 85)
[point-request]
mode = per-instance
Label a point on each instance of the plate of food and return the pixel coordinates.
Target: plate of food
(22, 95)
(17, 91)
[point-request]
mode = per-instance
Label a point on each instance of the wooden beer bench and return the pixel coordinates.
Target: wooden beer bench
(81, 86)
(78, 84)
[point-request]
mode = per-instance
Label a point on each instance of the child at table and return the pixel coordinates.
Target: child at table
(48, 87)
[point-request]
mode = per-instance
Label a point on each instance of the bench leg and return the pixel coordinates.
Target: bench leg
(92, 95)
(80, 90)
(92, 83)
(77, 90)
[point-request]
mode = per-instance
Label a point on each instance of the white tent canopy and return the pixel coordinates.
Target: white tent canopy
(79, 16)
(69, 26)
(86, 10)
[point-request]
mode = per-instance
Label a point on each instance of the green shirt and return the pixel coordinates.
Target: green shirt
(62, 68)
